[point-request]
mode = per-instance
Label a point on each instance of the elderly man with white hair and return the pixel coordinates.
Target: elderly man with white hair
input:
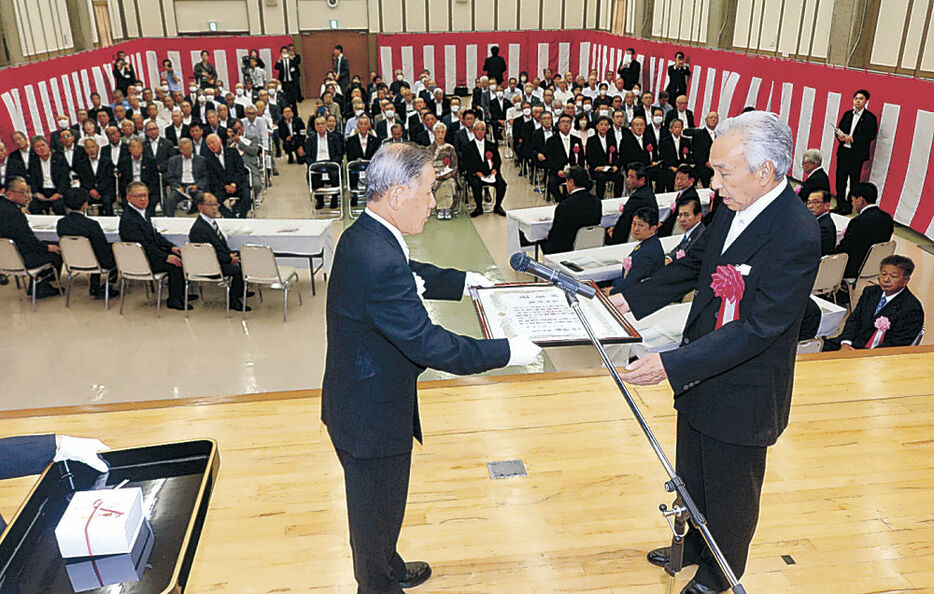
(751, 273)
(815, 178)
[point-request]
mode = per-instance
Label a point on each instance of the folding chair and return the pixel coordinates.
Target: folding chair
(830, 275)
(132, 265)
(200, 265)
(918, 338)
(11, 264)
(78, 258)
(589, 237)
(357, 192)
(813, 345)
(258, 264)
(869, 271)
(332, 170)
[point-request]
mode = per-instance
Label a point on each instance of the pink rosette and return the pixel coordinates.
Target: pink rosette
(627, 263)
(674, 206)
(446, 161)
(649, 147)
(679, 254)
(882, 323)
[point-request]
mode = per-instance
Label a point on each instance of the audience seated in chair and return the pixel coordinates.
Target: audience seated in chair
(872, 225)
(49, 177)
(580, 209)
(603, 159)
(482, 165)
(818, 202)
(13, 225)
(320, 147)
(96, 176)
(637, 180)
(647, 256)
(562, 150)
(206, 230)
(815, 178)
(229, 178)
(185, 175)
(887, 314)
(76, 224)
(685, 182)
(690, 220)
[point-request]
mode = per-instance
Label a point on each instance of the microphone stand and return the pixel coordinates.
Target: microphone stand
(683, 509)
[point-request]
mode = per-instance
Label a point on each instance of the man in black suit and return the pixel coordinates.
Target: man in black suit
(701, 141)
(439, 104)
(675, 151)
(684, 183)
(638, 146)
(680, 112)
(580, 209)
(24, 455)
(206, 230)
(49, 177)
(23, 152)
(818, 202)
(177, 129)
(13, 225)
(97, 107)
(287, 71)
(562, 150)
(647, 256)
(96, 176)
(872, 225)
(323, 146)
(690, 220)
(678, 73)
(380, 339)
(637, 182)
(630, 69)
(495, 65)
(160, 149)
(291, 132)
(341, 68)
(752, 271)
(603, 158)
(10, 167)
(855, 132)
(482, 164)
(815, 178)
(463, 135)
(140, 167)
(229, 178)
(887, 314)
(196, 133)
(74, 223)
(163, 256)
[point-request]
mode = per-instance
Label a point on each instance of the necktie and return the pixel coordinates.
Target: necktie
(879, 306)
(285, 70)
(217, 230)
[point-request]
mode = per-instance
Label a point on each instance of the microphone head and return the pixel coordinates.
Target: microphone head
(519, 261)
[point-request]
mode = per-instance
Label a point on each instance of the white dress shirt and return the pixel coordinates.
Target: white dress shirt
(743, 218)
(47, 173)
(856, 116)
(188, 177)
(323, 154)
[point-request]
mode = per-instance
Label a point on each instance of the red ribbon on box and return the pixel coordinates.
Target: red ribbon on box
(727, 284)
(105, 513)
(882, 325)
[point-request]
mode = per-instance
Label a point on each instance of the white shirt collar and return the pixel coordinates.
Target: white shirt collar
(690, 231)
(752, 211)
(867, 207)
(888, 298)
(207, 219)
(392, 228)
(142, 213)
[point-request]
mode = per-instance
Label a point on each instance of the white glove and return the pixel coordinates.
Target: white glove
(81, 450)
(523, 351)
(475, 279)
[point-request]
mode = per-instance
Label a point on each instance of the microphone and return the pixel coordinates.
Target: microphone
(521, 262)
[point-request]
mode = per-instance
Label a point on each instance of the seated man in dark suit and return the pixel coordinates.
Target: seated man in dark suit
(291, 132)
(160, 149)
(49, 177)
(24, 455)
(185, 174)
(818, 203)
(603, 158)
(691, 221)
(887, 314)
(815, 178)
(206, 230)
(229, 178)
(13, 225)
(685, 182)
(580, 209)
(10, 167)
(562, 150)
(177, 129)
(74, 223)
(482, 163)
(139, 166)
(163, 256)
(675, 151)
(323, 146)
(872, 225)
(637, 180)
(645, 258)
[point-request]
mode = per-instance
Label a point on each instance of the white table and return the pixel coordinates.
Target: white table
(304, 239)
(662, 331)
(601, 263)
(536, 222)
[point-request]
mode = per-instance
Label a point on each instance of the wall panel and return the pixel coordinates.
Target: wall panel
(438, 16)
(193, 15)
(485, 14)
(574, 14)
(415, 18)
(551, 15)
(529, 11)
(507, 15)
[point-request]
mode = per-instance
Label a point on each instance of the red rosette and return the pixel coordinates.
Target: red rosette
(577, 148)
(649, 147)
(446, 161)
(727, 283)
(684, 150)
(489, 155)
(612, 149)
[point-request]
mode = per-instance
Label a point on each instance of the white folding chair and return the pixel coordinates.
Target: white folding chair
(869, 271)
(830, 275)
(589, 237)
(78, 257)
(918, 338)
(200, 265)
(258, 264)
(11, 263)
(133, 265)
(813, 345)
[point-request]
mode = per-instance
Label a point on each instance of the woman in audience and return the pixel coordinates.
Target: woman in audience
(582, 129)
(89, 130)
(445, 162)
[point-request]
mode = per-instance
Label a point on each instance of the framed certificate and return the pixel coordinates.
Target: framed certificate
(540, 312)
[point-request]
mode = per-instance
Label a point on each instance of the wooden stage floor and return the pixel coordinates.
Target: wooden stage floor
(848, 493)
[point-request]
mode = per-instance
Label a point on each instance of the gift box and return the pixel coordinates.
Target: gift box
(104, 522)
(91, 573)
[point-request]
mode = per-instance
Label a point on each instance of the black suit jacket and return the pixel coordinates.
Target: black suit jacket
(677, 80)
(597, 157)
(335, 148)
(231, 172)
(103, 181)
(75, 223)
(671, 158)
(25, 455)
(668, 225)
(473, 162)
(904, 312)
(555, 157)
(673, 114)
(644, 196)
(148, 174)
(134, 227)
(61, 173)
(14, 168)
(734, 383)
(355, 150)
(687, 242)
(165, 151)
(871, 226)
(630, 74)
(495, 67)
(866, 129)
(828, 234)
(818, 180)
(701, 143)
(172, 136)
(580, 209)
(298, 128)
(647, 258)
(631, 151)
(380, 339)
(537, 145)
(15, 226)
(383, 128)
(202, 232)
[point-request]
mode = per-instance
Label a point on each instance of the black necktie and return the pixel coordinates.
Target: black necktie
(218, 230)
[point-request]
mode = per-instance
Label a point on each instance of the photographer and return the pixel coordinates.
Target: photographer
(124, 75)
(205, 72)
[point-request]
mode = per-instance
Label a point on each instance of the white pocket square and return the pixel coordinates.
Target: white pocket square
(744, 269)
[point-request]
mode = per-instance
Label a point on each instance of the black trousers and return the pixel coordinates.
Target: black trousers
(601, 178)
(725, 481)
(704, 174)
(377, 489)
(556, 186)
(236, 282)
(849, 169)
(476, 184)
(43, 207)
(176, 280)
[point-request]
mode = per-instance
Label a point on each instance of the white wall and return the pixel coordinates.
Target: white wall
(891, 30)
(681, 20)
(763, 25)
(43, 26)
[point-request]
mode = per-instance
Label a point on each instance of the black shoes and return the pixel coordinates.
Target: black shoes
(499, 210)
(239, 307)
(660, 557)
(694, 587)
(178, 306)
(416, 573)
(476, 213)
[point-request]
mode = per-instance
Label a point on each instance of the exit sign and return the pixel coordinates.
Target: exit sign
(334, 23)
(212, 26)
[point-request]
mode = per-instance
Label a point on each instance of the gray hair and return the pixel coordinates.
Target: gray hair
(187, 141)
(395, 164)
(813, 156)
(439, 126)
(765, 137)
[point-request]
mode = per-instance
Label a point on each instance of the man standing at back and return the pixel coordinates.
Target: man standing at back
(341, 68)
(380, 339)
(857, 129)
(752, 271)
(495, 65)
